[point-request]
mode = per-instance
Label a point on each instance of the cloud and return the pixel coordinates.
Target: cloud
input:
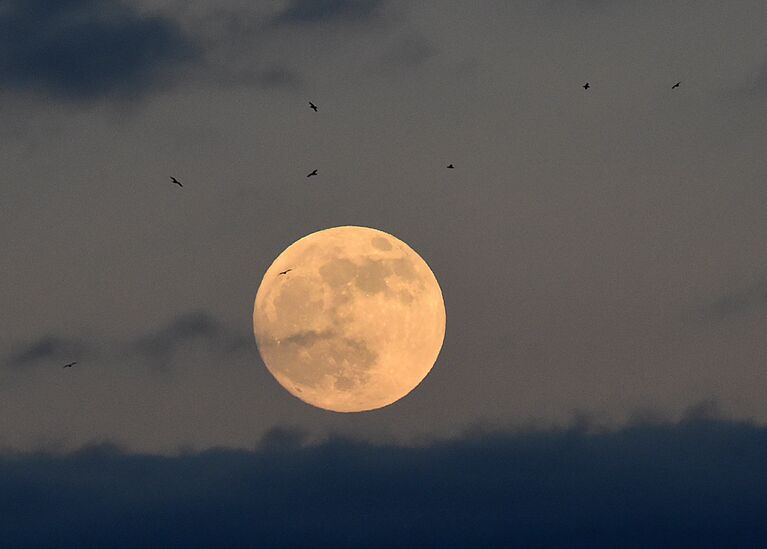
(698, 483)
(742, 301)
(232, 33)
(85, 50)
(278, 77)
(157, 347)
(48, 348)
(275, 77)
(308, 337)
(160, 346)
(412, 51)
(303, 12)
(759, 84)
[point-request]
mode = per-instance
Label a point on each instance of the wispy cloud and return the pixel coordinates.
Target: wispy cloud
(160, 346)
(411, 51)
(272, 77)
(156, 347)
(741, 301)
(245, 46)
(306, 12)
(46, 349)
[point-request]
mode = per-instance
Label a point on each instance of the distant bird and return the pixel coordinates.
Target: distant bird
(586, 86)
(312, 106)
(285, 272)
(313, 173)
(675, 86)
(176, 181)
(450, 167)
(69, 365)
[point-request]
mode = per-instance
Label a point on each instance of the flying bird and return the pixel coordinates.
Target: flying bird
(313, 173)
(285, 272)
(450, 167)
(586, 86)
(675, 86)
(176, 181)
(69, 365)
(312, 106)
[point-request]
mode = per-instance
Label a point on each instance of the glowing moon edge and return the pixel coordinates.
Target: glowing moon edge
(349, 319)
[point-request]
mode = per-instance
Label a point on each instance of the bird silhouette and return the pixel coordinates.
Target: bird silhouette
(313, 173)
(675, 86)
(176, 181)
(286, 271)
(69, 365)
(586, 86)
(450, 167)
(312, 106)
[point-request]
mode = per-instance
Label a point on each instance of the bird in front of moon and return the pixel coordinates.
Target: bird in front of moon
(356, 326)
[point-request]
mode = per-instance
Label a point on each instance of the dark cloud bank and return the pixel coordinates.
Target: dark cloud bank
(86, 49)
(698, 483)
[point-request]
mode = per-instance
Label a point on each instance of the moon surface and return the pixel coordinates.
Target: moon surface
(355, 324)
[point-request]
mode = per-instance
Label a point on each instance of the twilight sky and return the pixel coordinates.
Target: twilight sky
(601, 252)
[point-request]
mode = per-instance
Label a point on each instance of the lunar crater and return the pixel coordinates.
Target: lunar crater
(358, 326)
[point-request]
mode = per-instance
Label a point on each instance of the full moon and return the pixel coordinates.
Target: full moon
(349, 319)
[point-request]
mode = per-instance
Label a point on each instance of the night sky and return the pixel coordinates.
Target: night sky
(601, 254)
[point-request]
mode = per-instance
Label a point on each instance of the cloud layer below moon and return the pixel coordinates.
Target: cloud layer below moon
(698, 483)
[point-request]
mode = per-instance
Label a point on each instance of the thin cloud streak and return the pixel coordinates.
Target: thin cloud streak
(157, 347)
(308, 12)
(46, 349)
